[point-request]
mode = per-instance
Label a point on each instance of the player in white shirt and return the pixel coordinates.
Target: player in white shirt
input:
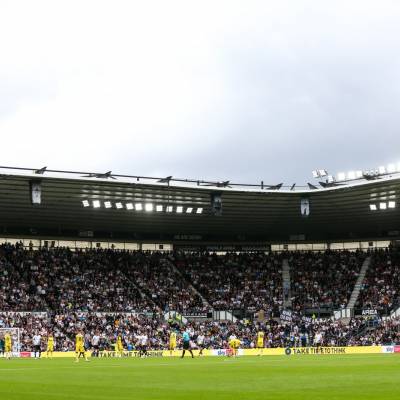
(37, 345)
(318, 339)
(95, 344)
(200, 343)
(142, 341)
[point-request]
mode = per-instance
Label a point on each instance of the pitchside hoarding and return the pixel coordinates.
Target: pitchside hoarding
(279, 351)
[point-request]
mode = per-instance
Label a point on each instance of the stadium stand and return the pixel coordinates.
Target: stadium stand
(323, 279)
(111, 292)
(59, 279)
(250, 281)
(108, 325)
(380, 289)
(156, 277)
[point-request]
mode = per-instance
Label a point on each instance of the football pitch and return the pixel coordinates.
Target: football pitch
(269, 377)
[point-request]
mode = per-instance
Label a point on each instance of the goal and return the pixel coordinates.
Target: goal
(15, 337)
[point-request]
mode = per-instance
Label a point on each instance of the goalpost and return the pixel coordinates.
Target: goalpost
(15, 339)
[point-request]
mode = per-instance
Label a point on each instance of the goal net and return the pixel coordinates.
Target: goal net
(15, 338)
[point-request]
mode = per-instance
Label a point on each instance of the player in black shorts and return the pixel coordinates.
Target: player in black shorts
(186, 344)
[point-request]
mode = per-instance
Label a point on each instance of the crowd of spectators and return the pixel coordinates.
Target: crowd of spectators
(323, 279)
(158, 278)
(381, 286)
(21, 287)
(251, 281)
(59, 279)
(108, 292)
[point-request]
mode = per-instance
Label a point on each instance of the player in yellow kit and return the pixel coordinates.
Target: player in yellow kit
(260, 342)
(7, 345)
(50, 345)
(80, 347)
(172, 342)
(119, 347)
(234, 344)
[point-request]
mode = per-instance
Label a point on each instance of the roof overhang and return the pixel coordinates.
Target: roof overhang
(341, 212)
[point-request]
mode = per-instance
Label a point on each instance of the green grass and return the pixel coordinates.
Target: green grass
(304, 377)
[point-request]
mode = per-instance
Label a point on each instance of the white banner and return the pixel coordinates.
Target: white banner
(387, 349)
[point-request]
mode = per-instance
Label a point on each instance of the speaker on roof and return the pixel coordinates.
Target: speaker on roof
(305, 207)
(36, 192)
(216, 204)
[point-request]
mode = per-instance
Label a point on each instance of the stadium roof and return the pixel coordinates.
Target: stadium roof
(248, 214)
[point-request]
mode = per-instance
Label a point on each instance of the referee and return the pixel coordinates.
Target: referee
(186, 344)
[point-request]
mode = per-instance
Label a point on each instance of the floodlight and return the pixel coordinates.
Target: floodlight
(359, 174)
(351, 175)
(96, 203)
(391, 168)
(138, 206)
(159, 208)
(85, 203)
(199, 210)
(149, 207)
(341, 176)
(118, 205)
(179, 209)
(372, 207)
(382, 206)
(129, 206)
(392, 204)
(382, 169)
(107, 204)
(189, 210)
(170, 209)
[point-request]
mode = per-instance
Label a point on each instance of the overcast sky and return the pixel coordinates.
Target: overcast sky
(240, 90)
